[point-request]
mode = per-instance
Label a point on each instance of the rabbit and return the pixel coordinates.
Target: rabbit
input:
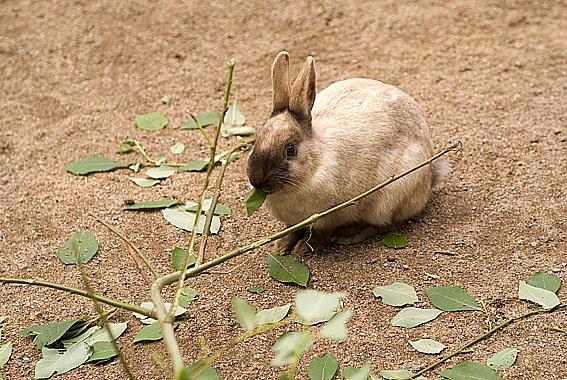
(319, 150)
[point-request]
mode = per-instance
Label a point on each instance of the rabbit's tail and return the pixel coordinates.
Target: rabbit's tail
(441, 168)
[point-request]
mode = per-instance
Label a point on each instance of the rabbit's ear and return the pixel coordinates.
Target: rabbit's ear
(280, 82)
(303, 92)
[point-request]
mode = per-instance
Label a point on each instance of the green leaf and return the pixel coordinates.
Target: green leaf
(5, 353)
(54, 361)
(127, 146)
(239, 131)
(288, 270)
(256, 289)
(314, 307)
(411, 317)
(145, 182)
(178, 256)
(336, 329)
(471, 371)
(399, 374)
(273, 315)
(188, 295)
(503, 359)
(195, 166)
(97, 334)
(49, 333)
(254, 201)
(199, 371)
(184, 220)
(161, 172)
(177, 148)
(152, 205)
(550, 282)
(151, 332)
(93, 164)
(233, 116)
(427, 346)
(245, 313)
(220, 209)
(451, 298)
(152, 122)
(323, 368)
(204, 118)
(542, 297)
(396, 294)
(103, 351)
(290, 346)
(352, 373)
(160, 159)
(395, 241)
(80, 247)
(135, 167)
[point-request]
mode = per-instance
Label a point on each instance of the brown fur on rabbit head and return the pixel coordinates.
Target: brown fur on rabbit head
(280, 159)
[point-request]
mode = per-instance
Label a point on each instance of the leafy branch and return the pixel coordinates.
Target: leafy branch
(488, 334)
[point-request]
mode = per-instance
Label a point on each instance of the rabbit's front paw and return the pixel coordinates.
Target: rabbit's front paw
(286, 244)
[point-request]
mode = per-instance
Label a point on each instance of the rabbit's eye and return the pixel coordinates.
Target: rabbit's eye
(290, 150)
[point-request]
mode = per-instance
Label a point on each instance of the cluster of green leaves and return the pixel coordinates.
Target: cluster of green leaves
(233, 125)
(83, 343)
(540, 289)
(5, 349)
(68, 344)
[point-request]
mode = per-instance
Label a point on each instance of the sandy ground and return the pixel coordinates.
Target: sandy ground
(492, 74)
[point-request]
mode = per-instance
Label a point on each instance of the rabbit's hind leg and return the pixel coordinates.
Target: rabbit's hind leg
(357, 237)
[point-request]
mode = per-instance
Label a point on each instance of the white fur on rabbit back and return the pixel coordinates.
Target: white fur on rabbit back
(364, 132)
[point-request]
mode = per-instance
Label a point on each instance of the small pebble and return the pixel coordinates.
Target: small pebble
(405, 266)
(391, 258)
(533, 244)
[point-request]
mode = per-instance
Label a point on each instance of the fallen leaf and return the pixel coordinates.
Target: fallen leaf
(79, 248)
(411, 317)
(152, 122)
(288, 270)
(93, 164)
(396, 294)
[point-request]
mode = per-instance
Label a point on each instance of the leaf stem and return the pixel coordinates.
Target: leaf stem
(201, 129)
(79, 292)
(474, 341)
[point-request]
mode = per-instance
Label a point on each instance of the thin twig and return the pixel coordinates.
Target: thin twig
(80, 292)
(166, 318)
(201, 129)
(210, 167)
(474, 341)
(151, 161)
(555, 328)
(104, 322)
(234, 268)
(139, 253)
(214, 201)
(448, 253)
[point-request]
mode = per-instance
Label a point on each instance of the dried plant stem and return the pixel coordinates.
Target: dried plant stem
(151, 161)
(80, 292)
(104, 321)
(202, 130)
(214, 201)
(555, 328)
(139, 253)
(489, 333)
(210, 167)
